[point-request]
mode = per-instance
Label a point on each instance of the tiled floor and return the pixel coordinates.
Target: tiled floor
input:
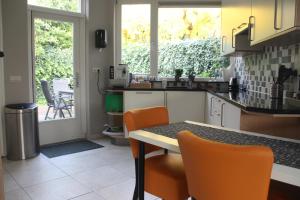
(102, 174)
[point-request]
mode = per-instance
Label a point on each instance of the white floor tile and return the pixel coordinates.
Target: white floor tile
(121, 191)
(100, 177)
(9, 183)
(90, 196)
(34, 176)
(78, 164)
(59, 189)
(125, 166)
(108, 170)
(36, 163)
(114, 155)
(18, 194)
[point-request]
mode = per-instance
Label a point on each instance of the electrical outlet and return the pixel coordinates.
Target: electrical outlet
(96, 69)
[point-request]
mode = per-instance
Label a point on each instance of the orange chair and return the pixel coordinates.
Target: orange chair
(217, 171)
(164, 174)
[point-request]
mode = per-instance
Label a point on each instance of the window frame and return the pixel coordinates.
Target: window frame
(155, 5)
(80, 13)
(153, 30)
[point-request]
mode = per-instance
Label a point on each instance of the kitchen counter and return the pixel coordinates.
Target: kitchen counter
(258, 102)
(158, 89)
(247, 101)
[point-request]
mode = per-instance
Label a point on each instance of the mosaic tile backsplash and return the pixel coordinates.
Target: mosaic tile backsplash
(255, 70)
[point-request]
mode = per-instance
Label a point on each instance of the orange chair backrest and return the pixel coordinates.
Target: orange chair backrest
(218, 171)
(143, 118)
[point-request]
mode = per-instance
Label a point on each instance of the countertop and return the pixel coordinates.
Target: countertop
(258, 102)
(158, 89)
(248, 101)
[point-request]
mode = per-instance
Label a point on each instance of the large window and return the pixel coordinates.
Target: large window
(66, 5)
(156, 39)
(189, 38)
(136, 38)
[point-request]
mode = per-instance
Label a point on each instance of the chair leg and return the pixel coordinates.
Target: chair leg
(69, 112)
(46, 117)
(166, 151)
(135, 194)
(61, 113)
(56, 110)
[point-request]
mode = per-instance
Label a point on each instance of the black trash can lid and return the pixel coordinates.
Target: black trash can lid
(22, 106)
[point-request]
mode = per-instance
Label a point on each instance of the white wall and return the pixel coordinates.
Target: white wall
(100, 16)
(2, 92)
(16, 51)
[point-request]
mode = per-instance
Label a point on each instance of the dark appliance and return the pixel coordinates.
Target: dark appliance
(100, 39)
(233, 85)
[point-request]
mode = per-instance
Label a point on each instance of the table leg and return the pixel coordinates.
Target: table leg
(141, 170)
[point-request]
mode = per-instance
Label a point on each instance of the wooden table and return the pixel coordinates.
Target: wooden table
(280, 173)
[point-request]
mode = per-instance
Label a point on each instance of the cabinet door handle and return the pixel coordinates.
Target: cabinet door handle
(143, 92)
(223, 37)
(211, 108)
(222, 113)
(251, 28)
(166, 99)
(240, 26)
(233, 38)
(276, 15)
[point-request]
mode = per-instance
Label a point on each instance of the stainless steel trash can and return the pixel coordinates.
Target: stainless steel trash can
(22, 132)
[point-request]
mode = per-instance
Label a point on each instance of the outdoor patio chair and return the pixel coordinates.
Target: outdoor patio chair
(58, 103)
(61, 87)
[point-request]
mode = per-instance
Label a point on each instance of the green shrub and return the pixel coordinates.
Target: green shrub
(202, 55)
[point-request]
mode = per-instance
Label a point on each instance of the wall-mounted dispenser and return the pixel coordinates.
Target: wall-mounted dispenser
(100, 39)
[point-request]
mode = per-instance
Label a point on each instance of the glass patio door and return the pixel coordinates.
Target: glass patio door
(56, 72)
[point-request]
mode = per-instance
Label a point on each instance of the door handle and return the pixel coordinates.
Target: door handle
(211, 108)
(233, 38)
(143, 92)
(240, 26)
(251, 28)
(222, 113)
(166, 99)
(276, 15)
(77, 80)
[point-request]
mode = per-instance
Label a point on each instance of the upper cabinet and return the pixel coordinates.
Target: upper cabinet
(265, 20)
(235, 15)
(271, 18)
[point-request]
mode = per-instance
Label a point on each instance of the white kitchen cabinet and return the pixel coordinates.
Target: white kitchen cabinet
(263, 13)
(288, 17)
(221, 113)
(142, 99)
(230, 115)
(235, 15)
(271, 18)
(213, 110)
(185, 106)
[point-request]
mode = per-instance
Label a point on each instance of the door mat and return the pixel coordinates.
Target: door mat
(52, 151)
